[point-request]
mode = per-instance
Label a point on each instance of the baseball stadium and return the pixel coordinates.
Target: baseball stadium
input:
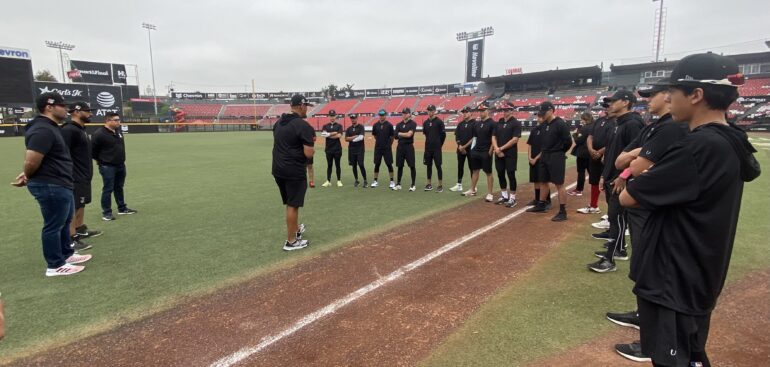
(426, 270)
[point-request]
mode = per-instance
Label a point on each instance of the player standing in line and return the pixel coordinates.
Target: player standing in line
(580, 151)
(405, 149)
(463, 138)
(435, 135)
(481, 152)
(332, 131)
(596, 143)
(384, 134)
(505, 146)
(534, 143)
(354, 135)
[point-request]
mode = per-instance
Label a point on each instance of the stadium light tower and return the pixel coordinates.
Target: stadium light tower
(60, 46)
(660, 29)
(151, 27)
(468, 36)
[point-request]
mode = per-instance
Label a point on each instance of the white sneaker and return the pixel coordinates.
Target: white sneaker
(396, 188)
(327, 184)
(489, 198)
(339, 184)
(374, 184)
(296, 245)
(469, 193)
(627, 232)
(589, 210)
(392, 184)
(456, 188)
(412, 189)
(604, 224)
(605, 217)
(78, 259)
(65, 269)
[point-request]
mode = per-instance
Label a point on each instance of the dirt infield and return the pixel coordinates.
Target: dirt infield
(738, 334)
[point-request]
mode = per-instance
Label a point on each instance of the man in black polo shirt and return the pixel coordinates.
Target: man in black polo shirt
(79, 145)
(693, 193)
(463, 138)
(48, 176)
(481, 152)
(504, 145)
(555, 143)
(384, 134)
(534, 143)
(596, 143)
(109, 151)
(333, 149)
(293, 140)
(355, 135)
(435, 135)
(405, 149)
(628, 125)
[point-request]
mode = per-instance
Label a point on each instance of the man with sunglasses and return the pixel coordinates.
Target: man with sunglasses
(109, 151)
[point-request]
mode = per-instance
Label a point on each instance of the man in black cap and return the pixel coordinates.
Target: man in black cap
(435, 135)
(109, 151)
(596, 143)
(405, 149)
(693, 193)
(556, 141)
(504, 143)
(293, 140)
(332, 131)
(384, 134)
(48, 176)
(355, 135)
(627, 128)
(79, 144)
(463, 138)
(481, 152)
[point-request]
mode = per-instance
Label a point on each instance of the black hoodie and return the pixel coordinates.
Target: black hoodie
(694, 196)
(290, 134)
(627, 128)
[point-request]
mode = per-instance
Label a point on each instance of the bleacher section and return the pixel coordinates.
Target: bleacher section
(202, 110)
(755, 87)
(240, 111)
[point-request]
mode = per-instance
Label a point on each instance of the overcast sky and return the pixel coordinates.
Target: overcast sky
(291, 45)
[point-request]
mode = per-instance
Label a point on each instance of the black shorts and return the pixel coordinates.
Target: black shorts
(552, 167)
(595, 168)
(671, 338)
(380, 153)
(405, 153)
(480, 161)
(82, 194)
(507, 163)
(292, 191)
(534, 172)
(431, 156)
(356, 157)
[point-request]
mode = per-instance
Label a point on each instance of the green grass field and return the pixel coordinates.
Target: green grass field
(209, 215)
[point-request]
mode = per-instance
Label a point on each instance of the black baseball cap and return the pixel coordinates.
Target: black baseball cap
(353, 116)
(406, 110)
(465, 109)
(80, 106)
(382, 112)
(430, 108)
(49, 99)
(705, 69)
(545, 107)
(623, 94)
(653, 89)
(299, 100)
(332, 113)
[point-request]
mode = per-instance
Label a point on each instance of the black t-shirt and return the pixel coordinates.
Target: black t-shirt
(482, 131)
(505, 130)
(333, 145)
(290, 136)
(43, 135)
(657, 137)
(108, 147)
(383, 133)
(435, 133)
(464, 131)
(581, 136)
(601, 132)
(535, 139)
(404, 127)
(555, 136)
(626, 129)
(694, 195)
(355, 130)
(79, 144)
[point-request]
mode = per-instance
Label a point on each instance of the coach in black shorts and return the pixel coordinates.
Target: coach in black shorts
(333, 149)
(435, 135)
(355, 135)
(556, 141)
(293, 140)
(405, 149)
(505, 145)
(481, 152)
(384, 134)
(534, 152)
(463, 138)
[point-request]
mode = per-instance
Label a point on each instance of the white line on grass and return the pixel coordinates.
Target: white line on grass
(336, 305)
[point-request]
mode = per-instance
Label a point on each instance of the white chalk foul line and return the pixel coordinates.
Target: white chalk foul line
(342, 302)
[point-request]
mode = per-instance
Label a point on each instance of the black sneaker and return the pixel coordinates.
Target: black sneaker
(296, 245)
(501, 200)
(559, 217)
(632, 351)
(79, 245)
(548, 205)
(609, 244)
(366, 184)
(531, 203)
(619, 255)
(83, 232)
(511, 203)
(355, 184)
(440, 188)
(627, 319)
(602, 266)
(108, 217)
(538, 208)
(428, 187)
(126, 211)
(602, 235)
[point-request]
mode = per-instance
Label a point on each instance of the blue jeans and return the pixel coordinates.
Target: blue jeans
(114, 177)
(57, 206)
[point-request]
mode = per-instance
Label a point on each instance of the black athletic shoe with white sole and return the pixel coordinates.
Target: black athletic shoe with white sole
(602, 235)
(79, 245)
(298, 244)
(627, 319)
(632, 351)
(126, 211)
(559, 217)
(619, 255)
(108, 217)
(602, 266)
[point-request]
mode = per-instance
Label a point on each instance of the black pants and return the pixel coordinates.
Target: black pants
(114, 178)
(461, 159)
(636, 219)
(506, 166)
(333, 158)
(671, 338)
(582, 167)
(616, 214)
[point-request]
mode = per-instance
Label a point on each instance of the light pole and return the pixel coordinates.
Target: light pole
(151, 27)
(60, 46)
(468, 36)
(660, 32)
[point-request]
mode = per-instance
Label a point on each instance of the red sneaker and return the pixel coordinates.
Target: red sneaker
(312, 184)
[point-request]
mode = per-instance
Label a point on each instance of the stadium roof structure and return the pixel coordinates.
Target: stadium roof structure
(548, 76)
(757, 57)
